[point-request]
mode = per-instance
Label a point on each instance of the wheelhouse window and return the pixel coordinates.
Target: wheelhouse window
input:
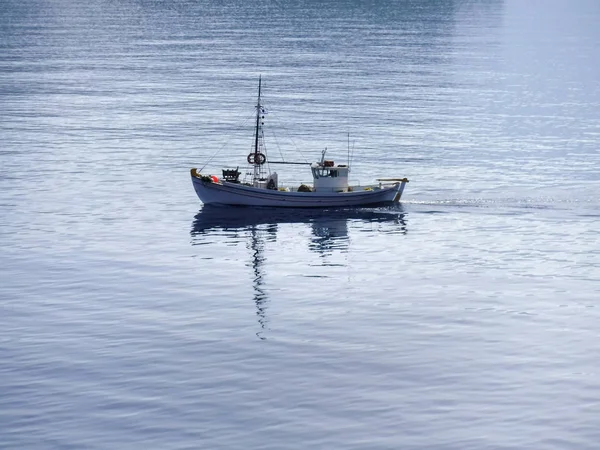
(324, 173)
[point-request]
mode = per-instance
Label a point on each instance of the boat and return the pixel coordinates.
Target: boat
(330, 187)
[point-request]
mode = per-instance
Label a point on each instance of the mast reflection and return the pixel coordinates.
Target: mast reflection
(329, 233)
(256, 244)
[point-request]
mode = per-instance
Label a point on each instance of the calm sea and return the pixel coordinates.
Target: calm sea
(466, 318)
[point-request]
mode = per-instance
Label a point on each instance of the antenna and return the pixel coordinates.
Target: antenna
(348, 149)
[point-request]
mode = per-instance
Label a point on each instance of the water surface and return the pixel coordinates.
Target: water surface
(464, 318)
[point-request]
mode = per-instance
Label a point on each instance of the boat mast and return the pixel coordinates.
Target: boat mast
(256, 152)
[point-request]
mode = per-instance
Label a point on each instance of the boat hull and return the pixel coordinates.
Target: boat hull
(234, 194)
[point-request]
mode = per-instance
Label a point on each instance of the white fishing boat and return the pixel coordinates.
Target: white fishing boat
(330, 186)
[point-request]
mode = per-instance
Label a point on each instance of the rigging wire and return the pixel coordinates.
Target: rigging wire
(278, 146)
(243, 125)
(289, 136)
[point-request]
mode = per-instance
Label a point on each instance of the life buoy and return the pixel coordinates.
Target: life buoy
(257, 159)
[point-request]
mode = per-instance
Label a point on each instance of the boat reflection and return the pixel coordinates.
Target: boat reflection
(325, 223)
(259, 226)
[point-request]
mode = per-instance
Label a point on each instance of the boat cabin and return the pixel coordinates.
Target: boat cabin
(329, 177)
